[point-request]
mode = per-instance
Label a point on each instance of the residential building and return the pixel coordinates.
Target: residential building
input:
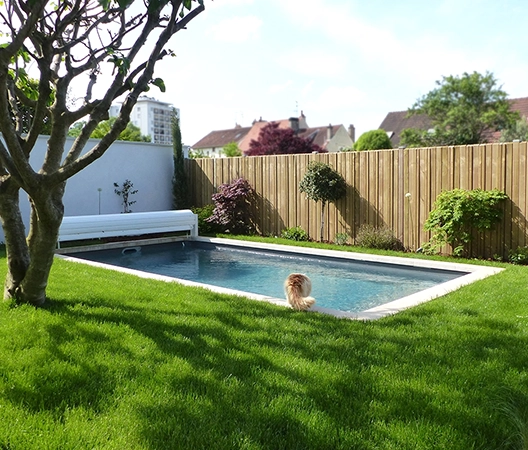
(212, 144)
(153, 117)
(395, 122)
(332, 138)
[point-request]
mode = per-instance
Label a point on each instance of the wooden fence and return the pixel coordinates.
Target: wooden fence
(392, 188)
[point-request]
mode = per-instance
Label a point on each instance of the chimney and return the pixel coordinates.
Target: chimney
(329, 132)
(294, 124)
(352, 132)
(302, 122)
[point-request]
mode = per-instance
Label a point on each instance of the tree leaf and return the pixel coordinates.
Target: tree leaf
(160, 83)
(105, 4)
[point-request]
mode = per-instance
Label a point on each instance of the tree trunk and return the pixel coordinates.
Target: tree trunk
(28, 283)
(322, 219)
(15, 237)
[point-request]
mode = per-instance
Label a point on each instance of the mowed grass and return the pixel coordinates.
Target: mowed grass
(118, 362)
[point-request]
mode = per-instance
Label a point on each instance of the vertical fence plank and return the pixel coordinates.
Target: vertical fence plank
(522, 201)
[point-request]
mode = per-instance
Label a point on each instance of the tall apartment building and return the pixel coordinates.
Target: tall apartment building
(154, 118)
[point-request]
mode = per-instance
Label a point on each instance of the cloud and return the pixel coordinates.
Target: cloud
(337, 97)
(236, 29)
(276, 88)
(223, 3)
(314, 62)
(404, 63)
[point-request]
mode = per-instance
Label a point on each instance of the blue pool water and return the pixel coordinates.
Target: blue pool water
(344, 285)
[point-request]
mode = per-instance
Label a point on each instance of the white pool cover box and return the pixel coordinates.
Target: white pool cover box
(75, 228)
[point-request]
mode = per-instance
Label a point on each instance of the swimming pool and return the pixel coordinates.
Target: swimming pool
(344, 284)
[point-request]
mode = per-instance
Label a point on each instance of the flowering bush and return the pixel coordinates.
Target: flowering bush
(232, 211)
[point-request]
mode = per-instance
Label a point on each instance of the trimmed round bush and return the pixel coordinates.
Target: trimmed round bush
(373, 140)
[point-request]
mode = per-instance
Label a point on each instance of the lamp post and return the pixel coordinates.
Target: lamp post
(99, 191)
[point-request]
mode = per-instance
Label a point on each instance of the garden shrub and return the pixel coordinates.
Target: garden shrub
(295, 234)
(519, 256)
(232, 207)
(204, 226)
(341, 238)
(381, 238)
(457, 214)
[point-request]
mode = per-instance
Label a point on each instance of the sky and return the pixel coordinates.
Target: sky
(338, 61)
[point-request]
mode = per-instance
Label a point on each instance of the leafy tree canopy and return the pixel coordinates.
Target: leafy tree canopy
(231, 150)
(463, 110)
(130, 133)
(180, 188)
(517, 131)
(100, 49)
(373, 140)
(273, 140)
(197, 154)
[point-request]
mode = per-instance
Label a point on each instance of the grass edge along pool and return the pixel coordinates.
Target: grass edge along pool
(469, 273)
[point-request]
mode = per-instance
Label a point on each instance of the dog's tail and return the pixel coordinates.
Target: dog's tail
(296, 300)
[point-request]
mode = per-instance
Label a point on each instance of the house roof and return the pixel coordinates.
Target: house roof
(395, 122)
(316, 135)
(220, 138)
(319, 135)
(520, 105)
(255, 131)
(244, 135)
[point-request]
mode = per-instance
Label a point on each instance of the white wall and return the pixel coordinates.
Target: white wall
(148, 166)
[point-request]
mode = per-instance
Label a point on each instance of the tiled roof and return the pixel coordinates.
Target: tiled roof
(316, 135)
(220, 138)
(395, 122)
(520, 105)
(244, 135)
(255, 131)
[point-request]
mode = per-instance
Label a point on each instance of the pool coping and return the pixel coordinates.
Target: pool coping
(472, 273)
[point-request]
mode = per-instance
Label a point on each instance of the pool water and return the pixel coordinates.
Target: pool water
(345, 285)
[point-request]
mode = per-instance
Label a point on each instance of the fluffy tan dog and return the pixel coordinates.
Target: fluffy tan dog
(298, 287)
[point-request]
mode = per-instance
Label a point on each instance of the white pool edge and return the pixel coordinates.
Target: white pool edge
(473, 273)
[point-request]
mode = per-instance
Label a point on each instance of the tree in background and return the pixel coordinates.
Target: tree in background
(517, 131)
(273, 140)
(232, 150)
(130, 133)
(180, 190)
(322, 184)
(463, 110)
(373, 140)
(197, 154)
(68, 43)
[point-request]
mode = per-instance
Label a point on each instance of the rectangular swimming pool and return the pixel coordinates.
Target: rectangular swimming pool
(346, 283)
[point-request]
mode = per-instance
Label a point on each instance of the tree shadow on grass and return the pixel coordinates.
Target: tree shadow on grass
(214, 371)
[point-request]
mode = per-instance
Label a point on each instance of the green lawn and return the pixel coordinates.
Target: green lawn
(117, 362)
